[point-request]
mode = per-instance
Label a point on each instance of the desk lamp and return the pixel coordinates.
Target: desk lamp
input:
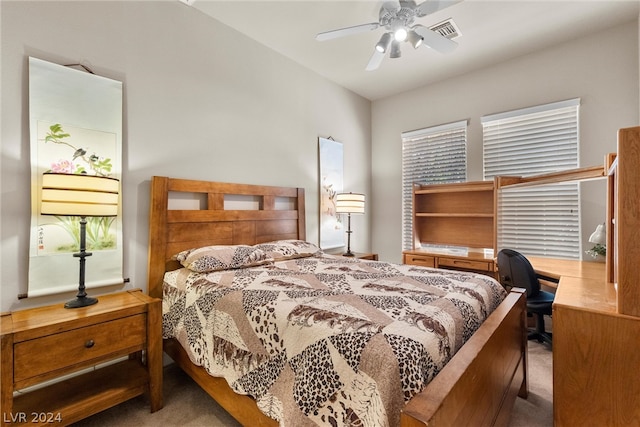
(599, 237)
(349, 203)
(79, 195)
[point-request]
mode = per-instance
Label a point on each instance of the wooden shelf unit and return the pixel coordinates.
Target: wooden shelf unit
(460, 214)
(465, 215)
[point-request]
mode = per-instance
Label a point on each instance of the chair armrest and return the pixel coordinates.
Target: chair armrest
(548, 281)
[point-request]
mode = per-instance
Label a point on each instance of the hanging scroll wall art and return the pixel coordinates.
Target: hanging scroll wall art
(331, 173)
(75, 125)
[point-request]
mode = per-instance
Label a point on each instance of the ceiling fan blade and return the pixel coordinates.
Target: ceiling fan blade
(333, 34)
(375, 60)
(435, 40)
(430, 6)
(391, 5)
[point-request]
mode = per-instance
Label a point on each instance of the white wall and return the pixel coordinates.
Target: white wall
(201, 101)
(601, 69)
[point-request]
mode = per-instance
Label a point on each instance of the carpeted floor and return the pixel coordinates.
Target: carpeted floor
(185, 404)
(537, 410)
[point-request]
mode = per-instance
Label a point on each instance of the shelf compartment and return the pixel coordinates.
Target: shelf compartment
(84, 395)
(455, 202)
(474, 232)
(455, 215)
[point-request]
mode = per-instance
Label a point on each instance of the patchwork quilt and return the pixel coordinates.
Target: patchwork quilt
(326, 340)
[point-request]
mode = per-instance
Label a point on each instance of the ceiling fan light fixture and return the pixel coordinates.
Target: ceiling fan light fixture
(400, 34)
(415, 39)
(397, 18)
(384, 42)
(395, 50)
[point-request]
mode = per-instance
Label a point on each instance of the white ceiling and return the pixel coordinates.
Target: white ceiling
(492, 31)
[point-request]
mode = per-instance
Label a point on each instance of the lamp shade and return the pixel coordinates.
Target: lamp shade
(599, 236)
(352, 203)
(384, 42)
(79, 195)
(415, 39)
(395, 50)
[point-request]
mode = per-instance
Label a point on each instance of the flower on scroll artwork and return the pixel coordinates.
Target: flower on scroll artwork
(63, 166)
(329, 202)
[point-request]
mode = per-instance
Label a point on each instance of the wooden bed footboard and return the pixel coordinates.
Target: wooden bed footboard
(480, 383)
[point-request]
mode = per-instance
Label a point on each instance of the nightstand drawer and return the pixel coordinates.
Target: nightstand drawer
(465, 264)
(421, 260)
(77, 346)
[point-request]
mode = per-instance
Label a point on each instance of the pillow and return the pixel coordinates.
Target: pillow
(221, 257)
(288, 249)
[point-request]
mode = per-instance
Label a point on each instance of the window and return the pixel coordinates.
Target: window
(537, 220)
(430, 156)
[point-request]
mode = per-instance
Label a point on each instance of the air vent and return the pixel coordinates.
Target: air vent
(447, 28)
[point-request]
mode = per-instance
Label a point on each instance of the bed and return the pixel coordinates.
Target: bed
(477, 385)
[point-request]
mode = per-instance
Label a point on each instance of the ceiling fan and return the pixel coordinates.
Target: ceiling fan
(397, 17)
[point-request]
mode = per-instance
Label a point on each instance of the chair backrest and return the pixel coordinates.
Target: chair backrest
(516, 270)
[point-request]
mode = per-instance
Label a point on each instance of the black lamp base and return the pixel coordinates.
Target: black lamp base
(349, 253)
(80, 302)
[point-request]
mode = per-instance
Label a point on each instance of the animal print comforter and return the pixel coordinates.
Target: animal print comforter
(326, 340)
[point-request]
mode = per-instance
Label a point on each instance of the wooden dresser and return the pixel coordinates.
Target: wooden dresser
(596, 316)
(46, 343)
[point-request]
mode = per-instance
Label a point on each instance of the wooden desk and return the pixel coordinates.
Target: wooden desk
(595, 349)
(465, 259)
(582, 284)
(557, 268)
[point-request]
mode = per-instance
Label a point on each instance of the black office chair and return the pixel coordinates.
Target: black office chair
(515, 270)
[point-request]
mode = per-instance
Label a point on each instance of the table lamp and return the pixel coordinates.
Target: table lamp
(79, 195)
(599, 237)
(349, 203)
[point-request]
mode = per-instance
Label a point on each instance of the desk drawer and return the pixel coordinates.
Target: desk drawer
(73, 347)
(421, 260)
(465, 264)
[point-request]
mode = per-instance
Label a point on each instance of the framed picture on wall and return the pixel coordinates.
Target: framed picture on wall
(330, 179)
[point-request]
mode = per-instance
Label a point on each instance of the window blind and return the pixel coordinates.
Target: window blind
(540, 220)
(430, 156)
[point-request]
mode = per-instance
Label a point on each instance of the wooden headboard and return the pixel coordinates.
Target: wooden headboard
(276, 213)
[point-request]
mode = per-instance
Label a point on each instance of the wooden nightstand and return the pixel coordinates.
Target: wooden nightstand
(361, 255)
(44, 343)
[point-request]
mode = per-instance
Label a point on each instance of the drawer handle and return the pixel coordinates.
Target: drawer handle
(89, 343)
